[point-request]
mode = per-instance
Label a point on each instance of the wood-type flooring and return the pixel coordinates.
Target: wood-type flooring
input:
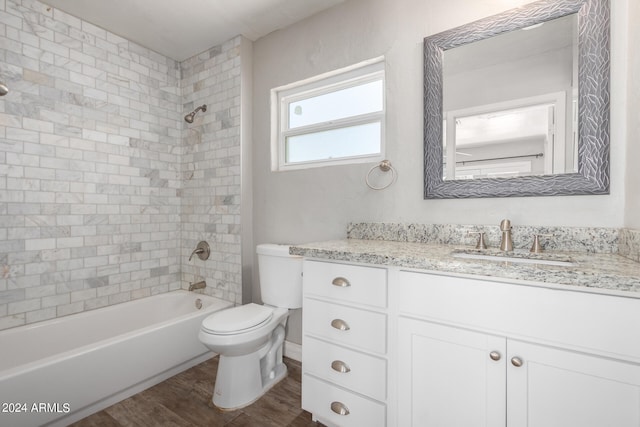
(185, 400)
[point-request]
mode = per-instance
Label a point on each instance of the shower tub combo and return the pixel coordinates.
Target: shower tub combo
(59, 371)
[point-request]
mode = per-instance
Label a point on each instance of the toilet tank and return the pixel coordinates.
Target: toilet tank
(280, 276)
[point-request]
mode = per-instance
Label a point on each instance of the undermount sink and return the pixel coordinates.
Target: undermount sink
(522, 258)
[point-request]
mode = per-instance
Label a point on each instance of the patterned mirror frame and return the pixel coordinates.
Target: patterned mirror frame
(593, 103)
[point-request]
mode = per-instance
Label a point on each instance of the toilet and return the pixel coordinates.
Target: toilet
(250, 337)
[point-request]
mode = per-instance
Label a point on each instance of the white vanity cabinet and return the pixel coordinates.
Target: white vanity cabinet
(482, 353)
(345, 344)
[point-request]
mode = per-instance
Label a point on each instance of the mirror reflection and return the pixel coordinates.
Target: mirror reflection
(510, 103)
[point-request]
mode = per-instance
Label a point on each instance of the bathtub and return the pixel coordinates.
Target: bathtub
(59, 371)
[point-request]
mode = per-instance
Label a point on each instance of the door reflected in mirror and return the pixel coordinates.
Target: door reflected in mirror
(510, 103)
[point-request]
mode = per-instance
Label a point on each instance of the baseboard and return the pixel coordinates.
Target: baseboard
(293, 351)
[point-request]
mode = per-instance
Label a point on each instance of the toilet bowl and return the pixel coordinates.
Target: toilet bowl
(249, 338)
(242, 378)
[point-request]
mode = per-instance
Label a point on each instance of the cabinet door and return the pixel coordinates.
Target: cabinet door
(561, 388)
(447, 377)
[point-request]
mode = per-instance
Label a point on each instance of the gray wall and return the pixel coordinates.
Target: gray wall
(317, 204)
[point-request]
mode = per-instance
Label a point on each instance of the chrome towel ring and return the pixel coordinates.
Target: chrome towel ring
(385, 166)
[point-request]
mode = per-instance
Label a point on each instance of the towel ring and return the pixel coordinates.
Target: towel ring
(385, 166)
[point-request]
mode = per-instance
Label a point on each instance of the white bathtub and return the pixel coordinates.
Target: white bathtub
(59, 371)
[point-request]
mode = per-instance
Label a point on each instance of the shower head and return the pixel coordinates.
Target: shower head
(189, 117)
(3, 89)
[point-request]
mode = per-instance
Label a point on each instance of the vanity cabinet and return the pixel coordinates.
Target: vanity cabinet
(345, 344)
(481, 353)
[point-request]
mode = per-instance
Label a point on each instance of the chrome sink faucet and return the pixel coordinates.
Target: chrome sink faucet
(506, 242)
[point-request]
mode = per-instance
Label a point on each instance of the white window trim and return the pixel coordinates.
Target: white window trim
(282, 96)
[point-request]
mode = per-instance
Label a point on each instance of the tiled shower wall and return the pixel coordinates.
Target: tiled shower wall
(211, 169)
(91, 167)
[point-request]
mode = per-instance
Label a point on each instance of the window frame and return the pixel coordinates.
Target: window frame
(344, 78)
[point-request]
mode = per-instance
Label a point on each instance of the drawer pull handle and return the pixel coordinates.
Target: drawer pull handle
(516, 361)
(494, 355)
(339, 408)
(340, 325)
(341, 282)
(340, 366)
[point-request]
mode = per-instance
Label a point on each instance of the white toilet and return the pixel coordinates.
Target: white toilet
(249, 337)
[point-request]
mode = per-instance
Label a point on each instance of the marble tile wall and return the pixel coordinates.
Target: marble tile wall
(210, 169)
(579, 239)
(90, 167)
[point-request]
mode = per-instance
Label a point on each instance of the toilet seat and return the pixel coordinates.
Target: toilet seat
(238, 319)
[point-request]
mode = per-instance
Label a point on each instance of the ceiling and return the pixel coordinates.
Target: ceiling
(181, 29)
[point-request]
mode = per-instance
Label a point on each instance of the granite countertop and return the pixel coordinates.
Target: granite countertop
(603, 273)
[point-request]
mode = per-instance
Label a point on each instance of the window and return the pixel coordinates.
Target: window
(334, 118)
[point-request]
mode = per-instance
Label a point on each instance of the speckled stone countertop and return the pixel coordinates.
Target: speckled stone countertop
(601, 272)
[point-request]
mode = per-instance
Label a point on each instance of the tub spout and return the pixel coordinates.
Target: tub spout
(198, 285)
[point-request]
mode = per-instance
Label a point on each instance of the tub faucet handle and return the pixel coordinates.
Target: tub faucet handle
(202, 250)
(196, 252)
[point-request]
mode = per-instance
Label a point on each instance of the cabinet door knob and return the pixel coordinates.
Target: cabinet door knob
(494, 355)
(341, 282)
(340, 324)
(516, 361)
(340, 366)
(339, 408)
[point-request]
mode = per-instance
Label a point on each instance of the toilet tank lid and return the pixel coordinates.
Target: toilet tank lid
(274, 250)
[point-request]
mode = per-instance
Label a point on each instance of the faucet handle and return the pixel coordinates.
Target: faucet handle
(536, 248)
(482, 244)
(202, 250)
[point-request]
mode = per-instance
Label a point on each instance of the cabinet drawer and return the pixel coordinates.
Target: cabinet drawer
(346, 283)
(347, 368)
(323, 400)
(345, 325)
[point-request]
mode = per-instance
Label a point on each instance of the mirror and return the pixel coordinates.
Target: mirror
(508, 103)
(518, 104)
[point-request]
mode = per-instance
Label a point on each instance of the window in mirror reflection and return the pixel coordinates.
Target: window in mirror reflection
(509, 103)
(517, 138)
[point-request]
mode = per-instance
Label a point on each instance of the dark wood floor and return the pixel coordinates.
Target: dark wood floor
(185, 400)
